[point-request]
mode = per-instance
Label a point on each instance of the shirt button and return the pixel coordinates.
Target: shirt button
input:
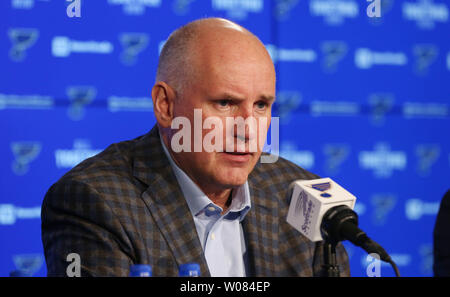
(213, 236)
(211, 208)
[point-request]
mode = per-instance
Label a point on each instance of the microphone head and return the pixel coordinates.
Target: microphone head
(311, 199)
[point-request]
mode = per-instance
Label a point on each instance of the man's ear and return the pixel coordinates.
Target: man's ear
(163, 97)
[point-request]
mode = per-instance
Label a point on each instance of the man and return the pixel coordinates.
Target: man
(441, 237)
(146, 201)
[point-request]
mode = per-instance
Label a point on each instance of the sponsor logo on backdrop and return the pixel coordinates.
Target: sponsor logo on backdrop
(291, 55)
(12, 101)
(133, 44)
(412, 110)
(283, 8)
(333, 53)
(24, 153)
(415, 209)
(334, 12)
(426, 13)
(425, 55)
(181, 7)
(366, 58)
(30, 263)
(360, 208)
(286, 103)
(426, 265)
(238, 9)
(448, 61)
(116, 104)
(22, 4)
(380, 104)
(63, 47)
(303, 158)
(335, 156)
(382, 204)
(69, 158)
(22, 39)
(135, 7)
(427, 155)
(79, 97)
(382, 160)
(9, 213)
(334, 108)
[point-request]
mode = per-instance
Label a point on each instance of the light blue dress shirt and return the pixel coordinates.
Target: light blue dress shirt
(221, 236)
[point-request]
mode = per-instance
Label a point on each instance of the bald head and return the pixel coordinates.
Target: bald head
(203, 43)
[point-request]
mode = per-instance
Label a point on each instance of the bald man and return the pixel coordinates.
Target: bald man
(163, 201)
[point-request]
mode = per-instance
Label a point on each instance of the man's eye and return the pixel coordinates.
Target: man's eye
(261, 105)
(224, 103)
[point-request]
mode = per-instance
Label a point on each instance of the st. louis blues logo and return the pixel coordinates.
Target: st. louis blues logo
(322, 187)
(133, 44)
(333, 53)
(79, 97)
(22, 39)
(24, 152)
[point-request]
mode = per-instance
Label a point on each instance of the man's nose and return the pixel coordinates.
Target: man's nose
(251, 124)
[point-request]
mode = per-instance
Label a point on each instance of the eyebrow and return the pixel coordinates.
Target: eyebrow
(238, 98)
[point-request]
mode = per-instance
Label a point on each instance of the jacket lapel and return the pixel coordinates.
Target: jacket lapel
(261, 231)
(166, 202)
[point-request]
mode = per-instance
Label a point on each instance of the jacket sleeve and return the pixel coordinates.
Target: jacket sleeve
(77, 219)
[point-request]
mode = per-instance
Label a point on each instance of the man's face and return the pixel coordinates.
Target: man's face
(231, 82)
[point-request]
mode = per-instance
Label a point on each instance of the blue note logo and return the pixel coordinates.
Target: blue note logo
(22, 39)
(322, 187)
(425, 55)
(382, 160)
(283, 9)
(380, 104)
(24, 153)
(425, 13)
(79, 97)
(287, 102)
(382, 204)
(333, 53)
(238, 9)
(335, 155)
(427, 155)
(133, 44)
(31, 263)
(334, 12)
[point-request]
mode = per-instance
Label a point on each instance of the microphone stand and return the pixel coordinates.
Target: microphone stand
(330, 267)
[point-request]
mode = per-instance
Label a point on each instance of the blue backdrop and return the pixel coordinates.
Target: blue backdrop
(363, 100)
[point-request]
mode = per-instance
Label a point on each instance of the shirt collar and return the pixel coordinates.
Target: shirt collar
(198, 201)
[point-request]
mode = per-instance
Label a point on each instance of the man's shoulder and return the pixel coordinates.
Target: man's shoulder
(112, 166)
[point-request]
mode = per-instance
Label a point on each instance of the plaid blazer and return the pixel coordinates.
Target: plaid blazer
(124, 206)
